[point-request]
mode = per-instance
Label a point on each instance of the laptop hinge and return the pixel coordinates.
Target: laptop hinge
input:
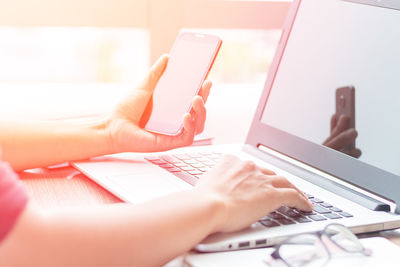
(265, 154)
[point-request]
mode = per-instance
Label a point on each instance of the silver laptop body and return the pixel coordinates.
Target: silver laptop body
(325, 45)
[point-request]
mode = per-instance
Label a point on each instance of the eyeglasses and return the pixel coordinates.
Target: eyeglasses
(316, 249)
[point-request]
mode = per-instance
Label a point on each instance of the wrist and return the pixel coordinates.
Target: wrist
(216, 207)
(101, 127)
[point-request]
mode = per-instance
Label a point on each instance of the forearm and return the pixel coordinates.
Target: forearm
(37, 144)
(120, 235)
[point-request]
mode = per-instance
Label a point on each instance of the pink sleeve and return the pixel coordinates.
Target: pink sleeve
(13, 199)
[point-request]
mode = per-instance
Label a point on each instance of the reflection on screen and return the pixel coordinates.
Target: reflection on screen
(338, 82)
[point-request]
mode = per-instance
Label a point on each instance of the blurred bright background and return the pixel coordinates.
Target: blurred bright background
(62, 59)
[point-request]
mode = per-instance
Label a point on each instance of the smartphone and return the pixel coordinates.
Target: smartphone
(190, 61)
(345, 105)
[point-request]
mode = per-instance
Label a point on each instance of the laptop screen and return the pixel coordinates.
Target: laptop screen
(338, 81)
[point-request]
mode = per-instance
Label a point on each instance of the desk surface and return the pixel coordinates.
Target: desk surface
(62, 187)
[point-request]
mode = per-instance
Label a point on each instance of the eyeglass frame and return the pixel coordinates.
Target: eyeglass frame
(276, 256)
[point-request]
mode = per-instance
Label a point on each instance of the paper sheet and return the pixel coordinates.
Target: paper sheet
(385, 253)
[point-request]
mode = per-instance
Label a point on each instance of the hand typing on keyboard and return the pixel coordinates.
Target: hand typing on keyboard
(248, 192)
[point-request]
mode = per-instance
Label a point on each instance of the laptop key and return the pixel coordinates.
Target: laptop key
(170, 159)
(198, 165)
(181, 164)
(306, 212)
(174, 170)
(283, 209)
(195, 155)
(275, 215)
(321, 210)
(187, 168)
(190, 161)
(285, 221)
(317, 218)
(186, 177)
(332, 216)
(316, 200)
(158, 162)
(302, 219)
(345, 214)
(166, 166)
(326, 205)
(309, 196)
(266, 217)
(269, 223)
(195, 172)
(335, 209)
(291, 213)
(203, 159)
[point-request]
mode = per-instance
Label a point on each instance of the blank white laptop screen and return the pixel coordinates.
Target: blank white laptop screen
(302, 99)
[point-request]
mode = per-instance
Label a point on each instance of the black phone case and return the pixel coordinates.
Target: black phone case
(345, 104)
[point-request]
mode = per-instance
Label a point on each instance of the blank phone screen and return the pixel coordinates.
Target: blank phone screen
(190, 60)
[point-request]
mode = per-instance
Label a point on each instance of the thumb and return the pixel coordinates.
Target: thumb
(155, 74)
(138, 102)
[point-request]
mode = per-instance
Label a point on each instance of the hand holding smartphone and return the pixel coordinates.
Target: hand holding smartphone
(190, 61)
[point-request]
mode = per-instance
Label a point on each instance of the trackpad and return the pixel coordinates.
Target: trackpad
(139, 188)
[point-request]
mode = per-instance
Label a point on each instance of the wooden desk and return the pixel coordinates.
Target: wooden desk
(62, 187)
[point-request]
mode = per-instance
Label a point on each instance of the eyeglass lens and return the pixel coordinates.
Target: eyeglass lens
(344, 238)
(304, 250)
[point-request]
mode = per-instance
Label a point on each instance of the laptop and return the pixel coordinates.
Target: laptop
(336, 66)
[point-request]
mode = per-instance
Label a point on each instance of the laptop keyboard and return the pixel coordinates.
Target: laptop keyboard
(322, 211)
(190, 168)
